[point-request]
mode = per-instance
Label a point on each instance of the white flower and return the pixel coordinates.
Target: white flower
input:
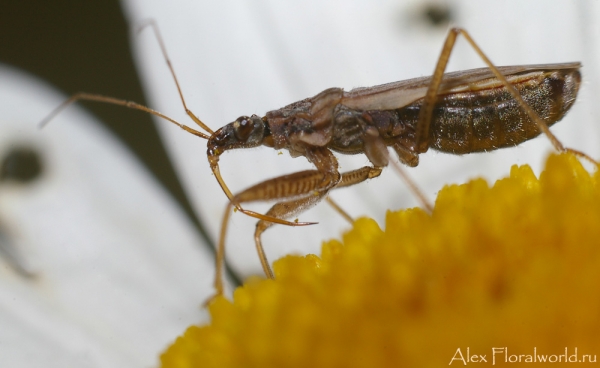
(119, 270)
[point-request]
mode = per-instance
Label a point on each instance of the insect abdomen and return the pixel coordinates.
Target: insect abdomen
(488, 119)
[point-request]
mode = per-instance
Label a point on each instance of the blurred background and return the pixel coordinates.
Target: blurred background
(84, 47)
(98, 266)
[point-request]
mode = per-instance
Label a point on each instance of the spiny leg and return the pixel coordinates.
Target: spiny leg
(426, 112)
(271, 189)
(321, 157)
(235, 202)
(293, 208)
(302, 189)
(287, 187)
(282, 210)
(220, 257)
(294, 187)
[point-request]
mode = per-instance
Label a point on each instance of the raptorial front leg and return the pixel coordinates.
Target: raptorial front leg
(293, 208)
(299, 192)
(309, 185)
(282, 210)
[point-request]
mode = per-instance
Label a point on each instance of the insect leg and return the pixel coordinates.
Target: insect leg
(305, 185)
(375, 148)
(358, 176)
(350, 178)
(213, 160)
(283, 210)
(311, 196)
(426, 111)
(410, 158)
(407, 157)
(336, 207)
(295, 207)
(299, 191)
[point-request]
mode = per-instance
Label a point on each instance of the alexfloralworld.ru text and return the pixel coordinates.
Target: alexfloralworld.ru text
(465, 356)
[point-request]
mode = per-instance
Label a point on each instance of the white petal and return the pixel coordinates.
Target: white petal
(119, 270)
(238, 58)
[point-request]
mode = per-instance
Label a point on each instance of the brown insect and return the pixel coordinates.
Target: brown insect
(461, 112)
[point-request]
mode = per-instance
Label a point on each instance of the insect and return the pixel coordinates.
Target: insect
(461, 112)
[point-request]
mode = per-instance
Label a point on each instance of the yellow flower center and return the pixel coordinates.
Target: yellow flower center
(515, 267)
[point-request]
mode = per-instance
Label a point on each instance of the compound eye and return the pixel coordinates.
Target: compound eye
(243, 126)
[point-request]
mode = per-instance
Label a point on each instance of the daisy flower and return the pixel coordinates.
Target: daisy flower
(119, 270)
(504, 272)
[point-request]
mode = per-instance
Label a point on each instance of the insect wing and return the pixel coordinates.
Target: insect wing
(395, 95)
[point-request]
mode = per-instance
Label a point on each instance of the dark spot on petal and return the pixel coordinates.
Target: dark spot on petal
(437, 15)
(21, 164)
